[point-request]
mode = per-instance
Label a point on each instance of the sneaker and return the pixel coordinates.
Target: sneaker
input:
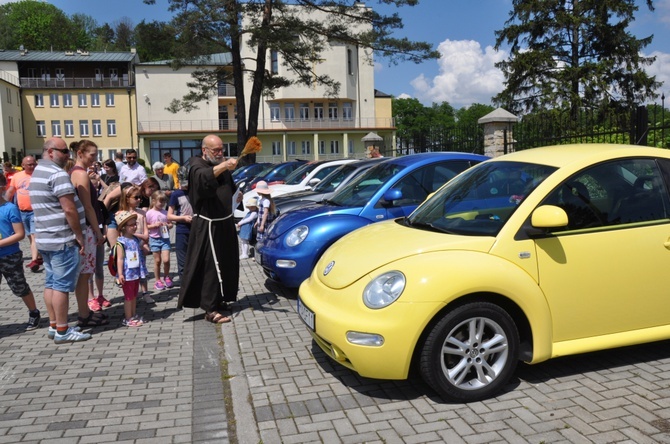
(71, 335)
(103, 302)
(33, 321)
(34, 266)
(51, 333)
(94, 305)
(168, 282)
(159, 285)
(132, 322)
(148, 299)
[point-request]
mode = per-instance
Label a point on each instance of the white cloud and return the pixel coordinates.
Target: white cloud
(663, 10)
(466, 75)
(661, 69)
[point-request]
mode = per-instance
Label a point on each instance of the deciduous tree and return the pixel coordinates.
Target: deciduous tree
(298, 30)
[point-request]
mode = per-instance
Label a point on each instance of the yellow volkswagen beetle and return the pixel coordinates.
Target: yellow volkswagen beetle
(537, 254)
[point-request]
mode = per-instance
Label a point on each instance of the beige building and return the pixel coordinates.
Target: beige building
(11, 125)
(74, 95)
(298, 122)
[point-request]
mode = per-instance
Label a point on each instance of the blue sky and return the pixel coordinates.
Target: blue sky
(462, 30)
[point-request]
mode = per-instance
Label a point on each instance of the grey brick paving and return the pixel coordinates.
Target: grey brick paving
(162, 383)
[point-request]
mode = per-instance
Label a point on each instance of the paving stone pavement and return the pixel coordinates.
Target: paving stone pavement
(261, 379)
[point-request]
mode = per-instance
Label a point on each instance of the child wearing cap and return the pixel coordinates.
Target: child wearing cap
(266, 208)
(246, 225)
(130, 264)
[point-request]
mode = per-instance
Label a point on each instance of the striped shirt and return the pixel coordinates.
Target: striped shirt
(48, 183)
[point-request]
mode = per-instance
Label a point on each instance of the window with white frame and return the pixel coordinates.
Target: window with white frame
(69, 128)
(97, 128)
(276, 148)
(83, 102)
(54, 101)
(95, 99)
(83, 128)
(290, 148)
(67, 100)
(46, 74)
(39, 100)
(289, 112)
(351, 147)
(109, 99)
(111, 127)
(274, 112)
(55, 128)
(41, 128)
(334, 146)
(318, 111)
(304, 111)
(305, 147)
(98, 74)
(332, 111)
(322, 147)
(113, 74)
(60, 73)
(347, 111)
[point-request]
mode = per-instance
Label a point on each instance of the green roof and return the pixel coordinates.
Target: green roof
(66, 56)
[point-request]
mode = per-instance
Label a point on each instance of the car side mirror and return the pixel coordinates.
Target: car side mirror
(313, 182)
(549, 216)
(392, 194)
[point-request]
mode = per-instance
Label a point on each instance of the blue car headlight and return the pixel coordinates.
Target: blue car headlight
(297, 235)
(384, 289)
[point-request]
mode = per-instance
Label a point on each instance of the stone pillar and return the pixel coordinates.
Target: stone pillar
(495, 123)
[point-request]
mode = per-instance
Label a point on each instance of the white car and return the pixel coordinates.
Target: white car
(303, 178)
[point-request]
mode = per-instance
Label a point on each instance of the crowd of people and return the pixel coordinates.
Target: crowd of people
(73, 207)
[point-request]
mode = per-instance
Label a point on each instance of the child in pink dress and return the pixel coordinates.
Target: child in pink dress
(159, 238)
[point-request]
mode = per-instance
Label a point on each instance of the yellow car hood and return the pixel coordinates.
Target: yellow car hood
(369, 248)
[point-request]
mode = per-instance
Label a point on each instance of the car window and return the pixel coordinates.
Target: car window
(323, 172)
(332, 180)
(481, 200)
(300, 173)
(359, 191)
(613, 193)
(415, 187)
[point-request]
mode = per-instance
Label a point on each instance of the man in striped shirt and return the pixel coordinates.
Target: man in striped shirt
(59, 216)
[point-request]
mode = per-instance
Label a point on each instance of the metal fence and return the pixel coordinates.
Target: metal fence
(646, 125)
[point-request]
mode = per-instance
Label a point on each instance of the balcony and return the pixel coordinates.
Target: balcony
(226, 90)
(175, 126)
(74, 82)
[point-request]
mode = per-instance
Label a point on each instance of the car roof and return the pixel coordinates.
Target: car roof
(412, 159)
(561, 155)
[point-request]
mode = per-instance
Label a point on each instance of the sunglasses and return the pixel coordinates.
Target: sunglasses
(62, 150)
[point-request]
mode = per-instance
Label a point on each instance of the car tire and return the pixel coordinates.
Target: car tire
(471, 353)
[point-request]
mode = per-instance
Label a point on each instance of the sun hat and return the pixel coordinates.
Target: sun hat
(262, 188)
(123, 217)
(252, 202)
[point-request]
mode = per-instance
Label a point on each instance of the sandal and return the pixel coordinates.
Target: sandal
(92, 320)
(217, 318)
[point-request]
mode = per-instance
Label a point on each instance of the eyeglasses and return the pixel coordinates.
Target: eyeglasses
(62, 150)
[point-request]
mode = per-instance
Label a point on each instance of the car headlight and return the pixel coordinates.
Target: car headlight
(297, 235)
(384, 289)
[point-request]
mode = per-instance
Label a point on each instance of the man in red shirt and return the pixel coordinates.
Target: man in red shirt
(19, 186)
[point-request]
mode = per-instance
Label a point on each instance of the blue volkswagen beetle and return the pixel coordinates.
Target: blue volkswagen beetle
(394, 188)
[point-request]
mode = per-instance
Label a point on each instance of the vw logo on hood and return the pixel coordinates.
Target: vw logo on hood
(328, 268)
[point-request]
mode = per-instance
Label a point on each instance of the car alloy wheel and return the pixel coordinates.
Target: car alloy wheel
(471, 352)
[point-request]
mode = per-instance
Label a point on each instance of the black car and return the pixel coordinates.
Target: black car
(248, 172)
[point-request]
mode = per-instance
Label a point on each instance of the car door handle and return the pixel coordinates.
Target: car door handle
(666, 244)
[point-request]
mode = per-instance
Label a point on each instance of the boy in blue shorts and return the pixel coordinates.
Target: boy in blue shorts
(11, 256)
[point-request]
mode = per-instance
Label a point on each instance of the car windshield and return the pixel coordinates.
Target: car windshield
(481, 200)
(359, 191)
(299, 174)
(335, 178)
